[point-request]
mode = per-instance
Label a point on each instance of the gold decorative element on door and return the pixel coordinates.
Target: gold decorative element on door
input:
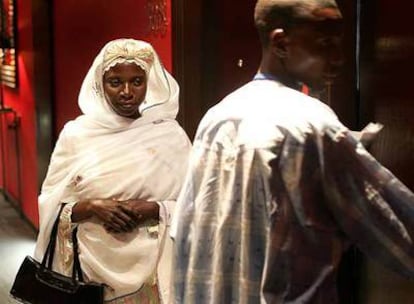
(157, 17)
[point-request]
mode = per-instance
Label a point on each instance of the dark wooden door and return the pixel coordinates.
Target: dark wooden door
(215, 50)
(231, 48)
(387, 96)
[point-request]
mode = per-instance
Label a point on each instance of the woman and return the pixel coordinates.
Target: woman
(118, 169)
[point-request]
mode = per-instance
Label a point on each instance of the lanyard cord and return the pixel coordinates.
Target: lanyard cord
(264, 76)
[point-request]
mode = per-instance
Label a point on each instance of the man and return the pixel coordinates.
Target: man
(277, 187)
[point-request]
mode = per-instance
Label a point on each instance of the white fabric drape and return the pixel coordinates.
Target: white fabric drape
(103, 155)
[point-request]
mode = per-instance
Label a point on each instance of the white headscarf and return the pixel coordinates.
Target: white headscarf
(104, 155)
(161, 101)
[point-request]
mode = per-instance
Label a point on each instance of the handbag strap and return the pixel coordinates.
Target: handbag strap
(50, 249)
(47, 261)
(76, 270)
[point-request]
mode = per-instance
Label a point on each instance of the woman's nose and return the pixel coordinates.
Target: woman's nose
(126, 89)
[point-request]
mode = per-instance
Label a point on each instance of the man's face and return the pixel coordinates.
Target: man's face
(314, 54)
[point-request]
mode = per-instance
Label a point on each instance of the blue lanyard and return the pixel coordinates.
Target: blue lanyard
(264, 76)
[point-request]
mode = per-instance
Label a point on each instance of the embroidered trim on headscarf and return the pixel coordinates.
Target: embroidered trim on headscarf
(128, 52)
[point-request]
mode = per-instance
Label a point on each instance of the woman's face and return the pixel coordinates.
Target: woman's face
(125, 86)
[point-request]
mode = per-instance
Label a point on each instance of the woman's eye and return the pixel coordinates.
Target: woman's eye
(114, 82)
(137, 81)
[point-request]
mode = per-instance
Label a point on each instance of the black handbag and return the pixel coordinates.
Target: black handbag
(36, 283)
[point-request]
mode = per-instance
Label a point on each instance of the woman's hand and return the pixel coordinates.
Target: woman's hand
(141, 210)
(110, 212)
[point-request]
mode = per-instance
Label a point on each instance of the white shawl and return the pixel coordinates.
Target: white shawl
(103, 155)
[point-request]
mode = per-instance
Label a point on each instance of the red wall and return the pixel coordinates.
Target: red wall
(22, 101)
(81, 29)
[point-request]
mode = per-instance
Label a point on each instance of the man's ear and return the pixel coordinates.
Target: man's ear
(279, 42)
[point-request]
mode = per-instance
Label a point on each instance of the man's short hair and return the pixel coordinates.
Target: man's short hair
(271, 14)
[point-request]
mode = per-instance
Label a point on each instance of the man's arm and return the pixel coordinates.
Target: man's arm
(373, 208)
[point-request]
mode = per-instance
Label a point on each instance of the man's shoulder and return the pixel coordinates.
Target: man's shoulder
(262, 109)
(228, 107)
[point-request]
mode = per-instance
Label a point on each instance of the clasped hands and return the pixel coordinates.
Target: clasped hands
(123, 216)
